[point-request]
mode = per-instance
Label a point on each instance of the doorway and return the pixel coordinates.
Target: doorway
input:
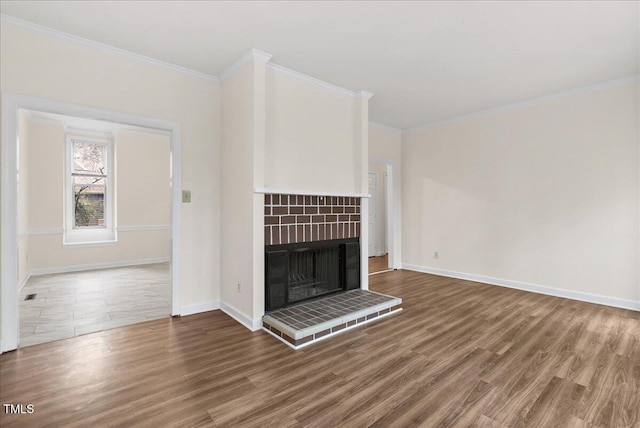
(10, 265)
(381, 216)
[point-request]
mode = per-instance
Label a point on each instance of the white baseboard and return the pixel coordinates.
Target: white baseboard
(92, 266)
(251, 324)
(535, 288)
(197, 308)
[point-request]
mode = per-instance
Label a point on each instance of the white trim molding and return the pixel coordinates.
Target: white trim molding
(93, 266)
(251, 54)
(198, 308)
(269, 190)
(143, 227)
(249, 323)
(534, 288)
(558, 95)
(132, 56)
(385, 127)
(314, 81)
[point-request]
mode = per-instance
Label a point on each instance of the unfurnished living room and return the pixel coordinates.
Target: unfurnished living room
(320, 213)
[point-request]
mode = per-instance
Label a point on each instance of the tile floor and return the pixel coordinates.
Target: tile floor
(72, 304)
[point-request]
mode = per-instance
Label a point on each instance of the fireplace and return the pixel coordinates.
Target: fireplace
(303, 271)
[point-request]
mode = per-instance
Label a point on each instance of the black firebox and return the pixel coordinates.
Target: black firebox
(303, 271)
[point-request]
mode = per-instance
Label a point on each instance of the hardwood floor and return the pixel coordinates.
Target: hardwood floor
(378, 263)
(459, 354)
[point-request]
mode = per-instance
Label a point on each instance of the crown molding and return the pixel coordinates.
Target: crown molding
(251, 54)
(101, 47)
(558, 95)
(312, 80)
(385, 127)
(364, 94)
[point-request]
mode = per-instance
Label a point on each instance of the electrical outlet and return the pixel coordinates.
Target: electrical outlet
(238, 287)
(435, 254)
(186, 196)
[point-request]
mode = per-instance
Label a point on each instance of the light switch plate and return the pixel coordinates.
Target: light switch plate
(186, 196)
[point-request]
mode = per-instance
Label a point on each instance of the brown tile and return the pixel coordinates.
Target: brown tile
(271, 220)
(349, 209)
(307, 233)
(299, 233)
(350, 323)
(322, 333)
(334, 231)
(307, 200)
(337, 209)
(275, 235)
(357, 210)
(331, 218)
(314, 200)
(340, 234)
(296, 210)
(303, 219)
(289, 339)
(357, 202)
(343, 217)
(361, 319)
(292, 234)
(355, 217)
(338, 327)
(384, 311)
(324, 210)
(267, 199)
(311, 210)
(267, 210)
(314, 232)
(275, 199)
(280, 210)
(276, 331)
(340, 200)
(352, 234)
(267, 235)
(357, 230)
(317, 219)
(393, 308)
(284, 200)
(321, 235)
(284, 235)
(288, 219)
(372, 316)
(322, 200)
(304, 340)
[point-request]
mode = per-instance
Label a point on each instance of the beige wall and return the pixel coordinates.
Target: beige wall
(310, 136)
(386, 144)
(543, 194)
(33, 64)
(142, 198)
(237, 190)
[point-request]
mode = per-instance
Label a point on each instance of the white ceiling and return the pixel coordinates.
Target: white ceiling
(424, 61)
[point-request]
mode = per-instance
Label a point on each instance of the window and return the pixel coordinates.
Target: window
(89, 204)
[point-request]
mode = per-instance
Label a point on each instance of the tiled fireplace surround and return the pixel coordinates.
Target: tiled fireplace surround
(291, 219)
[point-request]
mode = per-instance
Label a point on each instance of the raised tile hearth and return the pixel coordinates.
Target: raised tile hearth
(308, 322)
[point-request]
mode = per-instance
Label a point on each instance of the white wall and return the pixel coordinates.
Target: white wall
(41, 66)
(142, 198)
(543, 194)
(310, 134)
(385, 144)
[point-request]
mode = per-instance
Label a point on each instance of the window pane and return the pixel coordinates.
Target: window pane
(89, 157)
(89, 196)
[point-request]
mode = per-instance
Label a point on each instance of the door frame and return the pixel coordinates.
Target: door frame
(372, 208)
(392, 212)
(11, 103)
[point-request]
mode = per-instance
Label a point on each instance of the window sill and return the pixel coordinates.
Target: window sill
(88, 244)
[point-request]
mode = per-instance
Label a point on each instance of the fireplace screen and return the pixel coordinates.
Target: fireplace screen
(301, 271)
(313, 272)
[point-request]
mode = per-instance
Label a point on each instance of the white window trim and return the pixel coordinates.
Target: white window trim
(76, 237)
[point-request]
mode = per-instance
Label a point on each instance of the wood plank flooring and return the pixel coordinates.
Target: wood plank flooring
(459, 354)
